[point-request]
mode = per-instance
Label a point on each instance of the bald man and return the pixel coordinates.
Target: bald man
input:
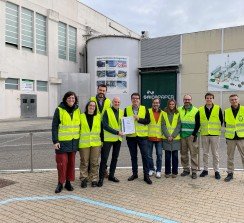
(112, 137)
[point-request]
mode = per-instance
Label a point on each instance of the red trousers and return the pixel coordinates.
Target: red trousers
(65, 166)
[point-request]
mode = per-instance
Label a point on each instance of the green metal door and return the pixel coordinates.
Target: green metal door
(162, 85)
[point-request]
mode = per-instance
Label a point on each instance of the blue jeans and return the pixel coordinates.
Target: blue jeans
(174, 155)
(159, 152)
(132, 143)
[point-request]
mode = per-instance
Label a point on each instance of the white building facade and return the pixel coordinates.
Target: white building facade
(39, 39)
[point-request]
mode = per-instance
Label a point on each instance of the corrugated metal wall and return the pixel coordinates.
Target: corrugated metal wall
(161, 51)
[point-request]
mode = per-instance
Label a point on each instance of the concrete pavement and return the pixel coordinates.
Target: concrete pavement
(204, 200)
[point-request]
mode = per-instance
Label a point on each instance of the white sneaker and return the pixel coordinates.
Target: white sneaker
(158, 174)
(151, 172)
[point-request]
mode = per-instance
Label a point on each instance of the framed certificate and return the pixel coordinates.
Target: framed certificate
(128, 125)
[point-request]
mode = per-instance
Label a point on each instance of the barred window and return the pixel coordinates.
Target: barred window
(12, 83)
(62, 40)
(41, 85)
(41, 34)
(72, 43)
(12, 22)
(27, 28)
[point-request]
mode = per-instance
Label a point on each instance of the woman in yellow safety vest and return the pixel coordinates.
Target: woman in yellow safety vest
(90, 144)
(65, 137)
(171, 137)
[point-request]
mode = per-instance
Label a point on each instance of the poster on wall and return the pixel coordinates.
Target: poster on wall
(226, 72)
(113, 71)
(27, 85)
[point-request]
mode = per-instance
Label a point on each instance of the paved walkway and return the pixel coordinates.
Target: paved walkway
(10, 125)
(32, 199)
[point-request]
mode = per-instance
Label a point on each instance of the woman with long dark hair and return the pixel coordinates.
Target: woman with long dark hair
(90, 144)
(171, 137)
(65, 137)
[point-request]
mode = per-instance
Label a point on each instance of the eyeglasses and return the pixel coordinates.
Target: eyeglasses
(135, 98)
(187, 99)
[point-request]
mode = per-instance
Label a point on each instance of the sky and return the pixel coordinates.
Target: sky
(169, 17)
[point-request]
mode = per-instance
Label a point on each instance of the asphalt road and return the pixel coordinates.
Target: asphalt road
(15, 153)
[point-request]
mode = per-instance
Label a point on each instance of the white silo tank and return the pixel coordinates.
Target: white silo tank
(114, 61)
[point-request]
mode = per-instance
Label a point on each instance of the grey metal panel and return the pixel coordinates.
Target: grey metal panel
(78, 83)
(28, 105)
(161, 51)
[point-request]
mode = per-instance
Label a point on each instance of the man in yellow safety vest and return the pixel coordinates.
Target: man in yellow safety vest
(234, 133)
(209, 119)
(112, 137)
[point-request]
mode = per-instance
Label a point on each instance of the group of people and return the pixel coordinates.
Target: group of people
(97, 130)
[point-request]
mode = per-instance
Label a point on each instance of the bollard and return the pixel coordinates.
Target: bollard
(31, 144)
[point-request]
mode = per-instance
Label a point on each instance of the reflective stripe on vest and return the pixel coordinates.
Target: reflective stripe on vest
(234, 124)
(187, 121)
(68, 128)
(141, 130)
(112, 122)
(106, 105)
(171, 127)
(155, 128)
(90, 138)
(211, 126)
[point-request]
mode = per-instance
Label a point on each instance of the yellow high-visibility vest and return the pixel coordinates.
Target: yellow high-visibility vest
(68, 128)
(90, 138)
(234, 124)
(112, 122)
(155, 128)
(106, 105)
(141, 129)
(171, 127)
(187, 121)
(211, 126)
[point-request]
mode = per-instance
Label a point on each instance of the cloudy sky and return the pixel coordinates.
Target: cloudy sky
(168, 17)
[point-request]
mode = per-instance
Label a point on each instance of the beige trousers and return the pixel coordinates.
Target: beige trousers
(213, 143)
(89, 163)
(231, 146)
(187, 146)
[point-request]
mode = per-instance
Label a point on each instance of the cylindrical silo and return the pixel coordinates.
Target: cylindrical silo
(114, 61)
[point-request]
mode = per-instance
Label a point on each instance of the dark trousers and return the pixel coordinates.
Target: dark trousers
(104, 158)
(65, 166)
(174, 155)
(132, 143)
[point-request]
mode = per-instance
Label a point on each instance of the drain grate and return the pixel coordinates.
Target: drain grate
(5, 183)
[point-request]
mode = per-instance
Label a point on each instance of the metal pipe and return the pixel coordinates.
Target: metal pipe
(31, 145)
(198, 156)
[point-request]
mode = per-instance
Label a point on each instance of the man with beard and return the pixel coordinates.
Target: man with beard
(103, 104)
(187, 116)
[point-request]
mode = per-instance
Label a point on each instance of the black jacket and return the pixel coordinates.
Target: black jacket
(65, 146)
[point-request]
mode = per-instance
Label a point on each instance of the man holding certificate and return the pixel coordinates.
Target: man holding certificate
(139, 138)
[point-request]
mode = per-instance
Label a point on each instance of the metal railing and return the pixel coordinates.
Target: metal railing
(33, 150)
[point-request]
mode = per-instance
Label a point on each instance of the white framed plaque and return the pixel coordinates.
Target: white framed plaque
(128, 125)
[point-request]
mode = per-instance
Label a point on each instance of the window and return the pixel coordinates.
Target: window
(72, 43)
(41, 85)
(27, 28)
(62, 40)
(12, 83)
(12, 20)
(41, 35)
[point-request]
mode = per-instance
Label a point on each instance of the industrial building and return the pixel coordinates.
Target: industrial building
(40, 39)
(49, 47)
